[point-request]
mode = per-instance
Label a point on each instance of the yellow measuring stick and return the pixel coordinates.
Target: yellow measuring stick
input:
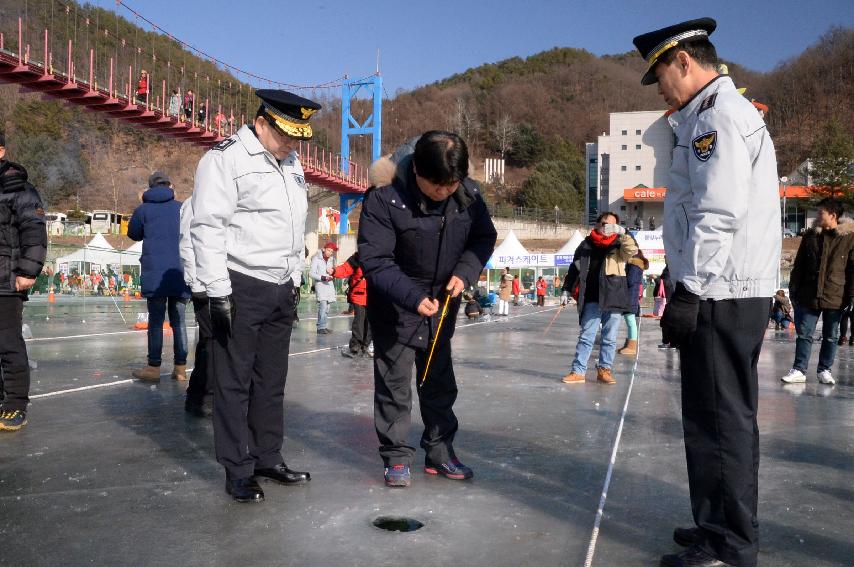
(436, 337)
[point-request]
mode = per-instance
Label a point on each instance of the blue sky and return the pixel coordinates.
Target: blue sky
(421, 42)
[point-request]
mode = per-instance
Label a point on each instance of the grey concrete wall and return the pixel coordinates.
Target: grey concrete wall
(526, 230)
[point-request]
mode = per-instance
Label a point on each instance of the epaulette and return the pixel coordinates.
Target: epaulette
(225, 144)
(708, 103)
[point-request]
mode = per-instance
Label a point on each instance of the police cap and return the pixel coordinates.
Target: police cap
(656, 43)
(288, 113)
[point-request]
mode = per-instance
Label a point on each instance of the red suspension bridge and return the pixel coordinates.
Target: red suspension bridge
(58, 69)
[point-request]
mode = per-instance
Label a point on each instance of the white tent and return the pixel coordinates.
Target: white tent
(510, 253)
(568, 249)
(98, 251)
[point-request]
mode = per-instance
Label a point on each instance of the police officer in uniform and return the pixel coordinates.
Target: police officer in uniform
(423, 237)
(249, 211)
(724, 262)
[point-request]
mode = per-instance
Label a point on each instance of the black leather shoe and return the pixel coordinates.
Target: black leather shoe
(283, 475)
(694, 556)
(686, 537)
(244, 489)
(197, 410)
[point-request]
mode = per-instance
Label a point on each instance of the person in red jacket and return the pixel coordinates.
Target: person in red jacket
(516, 290)
(541, 291)
(358, 298)
(142, 87)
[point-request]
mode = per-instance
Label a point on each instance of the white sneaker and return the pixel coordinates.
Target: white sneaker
(825, 377)
(795, 377)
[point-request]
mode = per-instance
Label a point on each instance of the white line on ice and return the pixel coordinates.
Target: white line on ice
(129, 381)
(86, 336)
(591, 549)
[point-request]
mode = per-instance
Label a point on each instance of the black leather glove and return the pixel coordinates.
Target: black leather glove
(222, 314)
(680, 316)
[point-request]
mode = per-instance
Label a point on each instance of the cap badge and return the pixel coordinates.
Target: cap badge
(307, 112)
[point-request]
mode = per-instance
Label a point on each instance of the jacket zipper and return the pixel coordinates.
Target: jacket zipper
(436, 267)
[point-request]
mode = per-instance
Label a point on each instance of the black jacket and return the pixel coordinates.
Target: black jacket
(23, 235)
(409, 253)
(613, 288)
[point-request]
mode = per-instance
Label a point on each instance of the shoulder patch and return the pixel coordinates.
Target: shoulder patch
(704, 145)
(300, 179)
(707, 103)
(224, 144)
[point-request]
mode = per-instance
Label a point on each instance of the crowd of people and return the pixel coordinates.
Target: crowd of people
(236, 249)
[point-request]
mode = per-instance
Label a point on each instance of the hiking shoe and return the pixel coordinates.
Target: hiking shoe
(12, 420)
(604, 375)
(453, 469)
(794, 376)
(148, 374)
(397, 476)
(825, 377)
(573, 378)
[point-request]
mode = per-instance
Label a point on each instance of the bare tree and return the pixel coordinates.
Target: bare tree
(502, 134)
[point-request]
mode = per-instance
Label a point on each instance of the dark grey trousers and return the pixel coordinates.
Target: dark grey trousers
(393, 363)
(14, 364)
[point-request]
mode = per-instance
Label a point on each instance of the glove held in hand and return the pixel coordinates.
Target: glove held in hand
(680, 316)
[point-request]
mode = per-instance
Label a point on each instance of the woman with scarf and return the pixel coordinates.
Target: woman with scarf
(597, 280)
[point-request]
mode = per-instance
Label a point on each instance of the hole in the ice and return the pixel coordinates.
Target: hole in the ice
(397, 524)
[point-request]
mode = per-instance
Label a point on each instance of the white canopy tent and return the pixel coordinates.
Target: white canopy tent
(569, 248)
(510, 253)
(99, 252)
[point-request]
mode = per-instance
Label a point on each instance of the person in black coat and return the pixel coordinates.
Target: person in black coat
(425, 236)
(23, 247)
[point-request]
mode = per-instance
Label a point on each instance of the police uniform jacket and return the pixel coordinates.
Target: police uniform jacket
(722, 212)
(23, 237)
(185, 247)
(248, 214)
(409, 252)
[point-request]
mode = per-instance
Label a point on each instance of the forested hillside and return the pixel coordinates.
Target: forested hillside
(536, 112)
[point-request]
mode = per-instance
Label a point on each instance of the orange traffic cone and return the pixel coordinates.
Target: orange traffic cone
(51, 296)
(125, 295)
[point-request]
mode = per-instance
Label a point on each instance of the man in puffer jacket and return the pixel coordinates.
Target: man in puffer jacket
(821, 285)
(23, 246)
(599, 273)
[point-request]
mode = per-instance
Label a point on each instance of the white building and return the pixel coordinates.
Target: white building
(628, 168)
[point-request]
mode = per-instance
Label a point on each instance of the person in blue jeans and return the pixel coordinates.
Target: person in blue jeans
(597, 279)
(821, 285)
(156, 222)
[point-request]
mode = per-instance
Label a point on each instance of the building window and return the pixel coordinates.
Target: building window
(637, 168)
(637, 132)
(624, 147)
(637, 146)
(625, 132)
(622, 168)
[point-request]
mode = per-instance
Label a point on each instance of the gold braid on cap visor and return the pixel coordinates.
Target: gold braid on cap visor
(287, 126)
(670, 43)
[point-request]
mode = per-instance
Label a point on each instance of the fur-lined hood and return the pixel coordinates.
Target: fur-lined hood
(845, 226)
(641, 263)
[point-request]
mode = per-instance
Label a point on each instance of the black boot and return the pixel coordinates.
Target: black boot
(244, 489)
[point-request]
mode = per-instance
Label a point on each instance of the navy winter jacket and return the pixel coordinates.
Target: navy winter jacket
(409, 252)
(157, 223)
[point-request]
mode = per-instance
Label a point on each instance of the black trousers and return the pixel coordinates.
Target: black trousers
(361, 332)
(14, 365)
(393, 364)
(719, 406)
(845, 322)
(249, 370)
(200, 383)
